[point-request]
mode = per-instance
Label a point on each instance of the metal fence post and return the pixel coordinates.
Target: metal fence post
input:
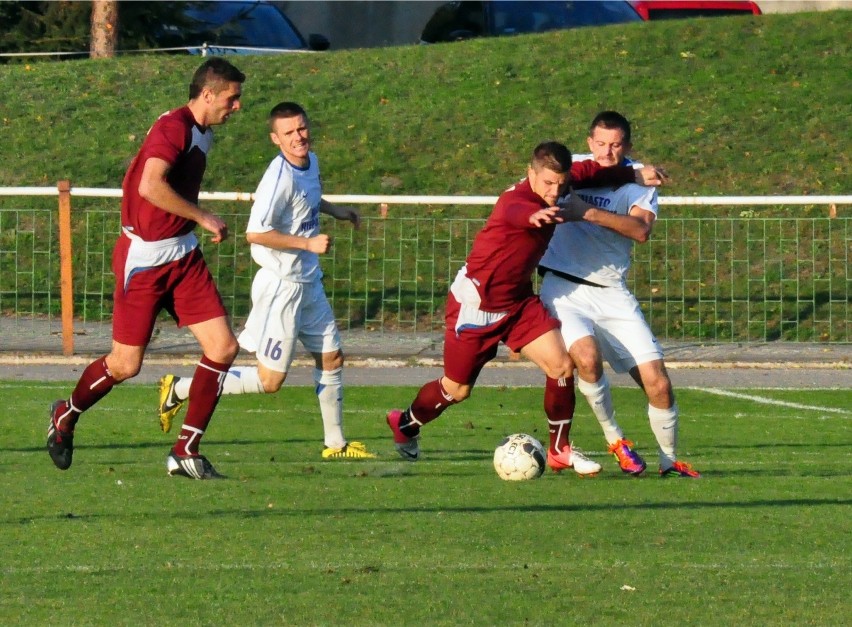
(65, 274)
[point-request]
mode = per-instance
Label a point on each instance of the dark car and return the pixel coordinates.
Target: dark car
(454, 21)
(676, 9)
(236, 28)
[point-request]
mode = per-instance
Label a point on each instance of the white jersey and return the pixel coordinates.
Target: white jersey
(288, 200)
(595, 253)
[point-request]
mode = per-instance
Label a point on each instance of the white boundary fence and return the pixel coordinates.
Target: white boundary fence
(378, 199)
(717, 278)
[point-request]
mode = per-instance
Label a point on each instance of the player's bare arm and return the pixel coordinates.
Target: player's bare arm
(154, 187)
(319, 244)
(341, 213)
(636, 225)
(572, 208)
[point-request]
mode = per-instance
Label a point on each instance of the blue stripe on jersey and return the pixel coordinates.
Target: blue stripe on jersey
(265, 220)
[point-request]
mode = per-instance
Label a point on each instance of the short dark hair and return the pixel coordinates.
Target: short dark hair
(213, 73)
(285, 109)
(551, 155)
(611, 120)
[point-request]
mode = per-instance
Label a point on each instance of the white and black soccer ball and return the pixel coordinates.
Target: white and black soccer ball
(519, 457)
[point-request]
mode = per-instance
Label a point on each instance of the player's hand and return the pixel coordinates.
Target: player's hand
(550, 215)
(351, 214)
(319, 244)
(651, 176)
(573, 208)
(216, 226)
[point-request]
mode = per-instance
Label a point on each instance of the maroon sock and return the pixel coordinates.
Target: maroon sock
(95, 383)
(559, 401)
(204, 393)
(431, 401)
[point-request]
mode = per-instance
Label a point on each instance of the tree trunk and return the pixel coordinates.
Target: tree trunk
(104, 29)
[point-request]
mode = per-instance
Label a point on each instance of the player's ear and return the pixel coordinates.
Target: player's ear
(274, 138)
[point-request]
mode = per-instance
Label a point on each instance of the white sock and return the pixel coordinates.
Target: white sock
(243, 380)
(239, 380)
(330, 394)
(599, 396)
(182, 387)
(664, 425)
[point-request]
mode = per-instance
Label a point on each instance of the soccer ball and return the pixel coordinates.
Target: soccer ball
(519, 457)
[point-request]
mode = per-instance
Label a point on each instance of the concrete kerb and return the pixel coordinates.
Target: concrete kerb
(406, 358)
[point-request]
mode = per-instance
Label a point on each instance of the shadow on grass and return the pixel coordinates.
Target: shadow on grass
(344, 511)
(80, 443)
(774, 445)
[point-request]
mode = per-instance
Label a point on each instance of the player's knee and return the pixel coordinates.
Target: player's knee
(273, 383)
(232, 348)
(588, 363)
(226, 351)
(331, 361)
(458, 391)
(660, 390)
(461, 395)
(125, 369)
(560, 369)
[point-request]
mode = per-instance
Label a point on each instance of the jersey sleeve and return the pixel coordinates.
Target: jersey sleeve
(645, 198)
(591, 174)
(514, 209)
(165, 140)
(272, 192)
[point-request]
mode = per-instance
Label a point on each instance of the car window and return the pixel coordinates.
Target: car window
(518, 16)
(455, 20)
(242, 24)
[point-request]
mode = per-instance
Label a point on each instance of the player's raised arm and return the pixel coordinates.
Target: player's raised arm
(340, 212)
(651, 176)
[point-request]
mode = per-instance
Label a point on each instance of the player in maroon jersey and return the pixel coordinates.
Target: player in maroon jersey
(158, 265)
(492, 300)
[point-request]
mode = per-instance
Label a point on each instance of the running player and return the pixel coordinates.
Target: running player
(288, 300)
(157, 265)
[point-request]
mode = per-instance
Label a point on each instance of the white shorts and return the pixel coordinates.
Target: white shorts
(610, 314)
(282, 313)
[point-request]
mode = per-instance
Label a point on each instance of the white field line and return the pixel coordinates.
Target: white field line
(771, 401)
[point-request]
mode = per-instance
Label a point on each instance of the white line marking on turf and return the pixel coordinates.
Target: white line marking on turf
(771, 401)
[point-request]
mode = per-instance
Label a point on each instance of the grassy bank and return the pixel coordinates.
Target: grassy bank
(753, 105)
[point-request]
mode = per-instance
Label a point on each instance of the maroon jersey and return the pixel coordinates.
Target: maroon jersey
(177, 139)
(507, 250)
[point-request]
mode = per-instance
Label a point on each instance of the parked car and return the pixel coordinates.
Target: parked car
(454, 21)
(675, 9)
(226, 27)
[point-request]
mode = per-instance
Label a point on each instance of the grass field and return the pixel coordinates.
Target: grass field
(290, 539)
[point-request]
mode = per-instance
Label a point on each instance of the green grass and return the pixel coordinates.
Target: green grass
(736, 105)
(289, 539)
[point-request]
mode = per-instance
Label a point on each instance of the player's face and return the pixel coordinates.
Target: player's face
(608, 146)
(224, 103)
(293, 137)
(548, 184)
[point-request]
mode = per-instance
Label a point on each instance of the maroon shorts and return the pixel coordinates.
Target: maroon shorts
(185, 288)
(466, 353)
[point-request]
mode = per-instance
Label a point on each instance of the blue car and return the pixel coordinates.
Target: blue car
(220, 28)
(455, 21)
